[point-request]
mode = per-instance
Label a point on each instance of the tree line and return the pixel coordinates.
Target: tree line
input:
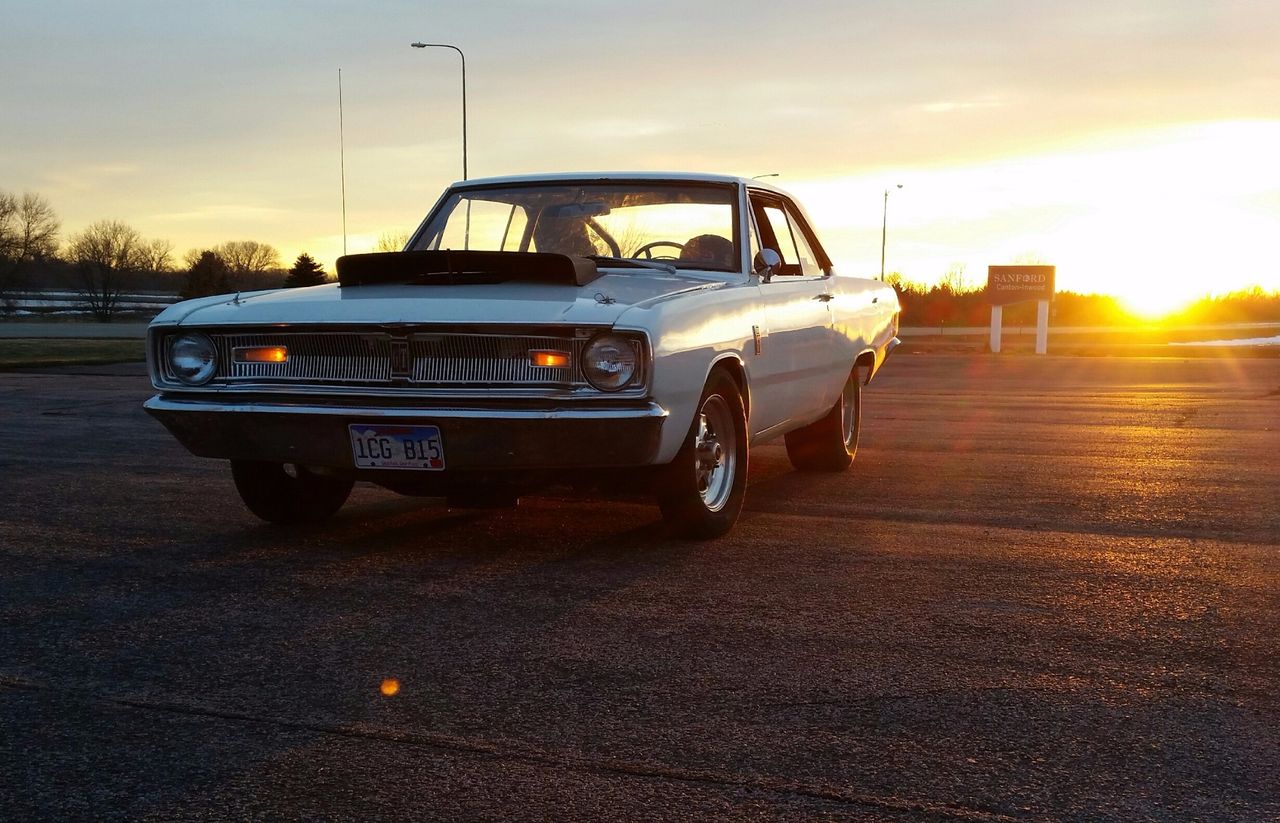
(109, 258)
(956, 302)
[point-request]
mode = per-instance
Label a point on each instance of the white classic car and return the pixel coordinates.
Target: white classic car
(636, 330)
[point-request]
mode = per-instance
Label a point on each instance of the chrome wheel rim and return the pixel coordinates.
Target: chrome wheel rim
(715, 453)
(849, 410)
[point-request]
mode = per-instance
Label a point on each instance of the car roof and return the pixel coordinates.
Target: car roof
(593, 176)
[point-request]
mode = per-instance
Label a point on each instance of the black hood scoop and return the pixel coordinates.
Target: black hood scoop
(448, 268)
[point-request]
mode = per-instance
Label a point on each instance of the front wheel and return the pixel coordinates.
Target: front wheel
(288, 494)
(702, 489)
(829, 444)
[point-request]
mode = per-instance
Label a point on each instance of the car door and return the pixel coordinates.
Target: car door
(791, 373)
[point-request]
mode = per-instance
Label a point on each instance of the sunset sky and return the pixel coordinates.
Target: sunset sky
(1134, 145)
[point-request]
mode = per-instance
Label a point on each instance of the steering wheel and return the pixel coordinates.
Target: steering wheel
(646, 251)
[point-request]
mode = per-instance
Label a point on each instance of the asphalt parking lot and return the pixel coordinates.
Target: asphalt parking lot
(1049, 589)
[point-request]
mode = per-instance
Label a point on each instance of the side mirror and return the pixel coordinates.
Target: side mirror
(766, 264)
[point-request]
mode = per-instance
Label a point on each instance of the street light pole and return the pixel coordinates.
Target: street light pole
(464, 94)
(884, 228)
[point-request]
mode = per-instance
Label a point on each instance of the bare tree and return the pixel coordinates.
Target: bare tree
(103, 253)
(248, 257)
(192, 257)
(110, 244)
(8, 267)
(392, 241)
(899, 281)
(8, 208)
(955, 281)
(157, 256)
(28, 234)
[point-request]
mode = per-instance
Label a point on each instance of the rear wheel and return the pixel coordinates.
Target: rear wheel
(829, 444)
(287, 493)
(701, 490)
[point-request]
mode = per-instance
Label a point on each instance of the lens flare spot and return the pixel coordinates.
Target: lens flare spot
(390, 687)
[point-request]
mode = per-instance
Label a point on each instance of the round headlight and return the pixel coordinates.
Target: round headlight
(193, 359)
(609, 362)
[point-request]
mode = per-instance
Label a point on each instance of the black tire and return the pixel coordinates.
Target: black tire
(829, 444)
(701, 490)
(288, 496)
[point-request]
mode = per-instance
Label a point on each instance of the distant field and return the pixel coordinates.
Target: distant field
(20, 353)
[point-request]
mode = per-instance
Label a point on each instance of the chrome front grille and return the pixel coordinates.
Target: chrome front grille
(458, 360)
(435, 360)
(326, 358)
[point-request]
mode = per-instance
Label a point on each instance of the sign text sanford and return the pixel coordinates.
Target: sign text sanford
(1014, 284)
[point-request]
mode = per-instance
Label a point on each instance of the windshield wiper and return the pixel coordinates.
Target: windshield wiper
(632, 262)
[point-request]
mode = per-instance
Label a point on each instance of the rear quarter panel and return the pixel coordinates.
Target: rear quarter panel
(864, 315)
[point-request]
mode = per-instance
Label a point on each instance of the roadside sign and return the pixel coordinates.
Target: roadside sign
(1014, 284)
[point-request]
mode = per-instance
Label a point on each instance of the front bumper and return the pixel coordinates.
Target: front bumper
(475, 438)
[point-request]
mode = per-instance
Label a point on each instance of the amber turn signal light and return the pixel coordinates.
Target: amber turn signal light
(549, 359)
(262, 354)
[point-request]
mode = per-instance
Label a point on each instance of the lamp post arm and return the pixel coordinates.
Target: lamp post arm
(463, 57)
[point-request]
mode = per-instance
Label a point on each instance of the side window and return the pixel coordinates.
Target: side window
(483, 224)
(786, 244)
(783, 230)
(810, 264)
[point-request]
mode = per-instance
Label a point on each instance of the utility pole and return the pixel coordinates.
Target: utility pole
(884, 229)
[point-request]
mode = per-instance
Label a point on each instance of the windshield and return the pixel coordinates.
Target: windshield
(687, 225)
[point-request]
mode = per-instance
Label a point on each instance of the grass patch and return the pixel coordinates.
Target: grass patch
(29, 352)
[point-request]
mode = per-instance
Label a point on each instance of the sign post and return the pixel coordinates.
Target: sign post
(1016, 284)
(1042, 327)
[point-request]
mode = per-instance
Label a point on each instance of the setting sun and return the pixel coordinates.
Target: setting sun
(1154, 305)
(1157, 218)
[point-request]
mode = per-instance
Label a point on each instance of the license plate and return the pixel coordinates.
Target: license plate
(397, 447)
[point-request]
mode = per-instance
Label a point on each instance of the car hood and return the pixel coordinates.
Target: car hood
(600, 302)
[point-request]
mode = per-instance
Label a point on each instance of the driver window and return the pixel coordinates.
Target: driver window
(809, 265)
(782, 230)
(785, 243)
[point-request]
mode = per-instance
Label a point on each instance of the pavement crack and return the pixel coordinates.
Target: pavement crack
(512, 750)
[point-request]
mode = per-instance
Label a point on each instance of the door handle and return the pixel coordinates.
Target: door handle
(875, 300)
(825, 298)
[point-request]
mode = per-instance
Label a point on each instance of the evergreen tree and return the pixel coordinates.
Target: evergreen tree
(207, 275)
(305, 272)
